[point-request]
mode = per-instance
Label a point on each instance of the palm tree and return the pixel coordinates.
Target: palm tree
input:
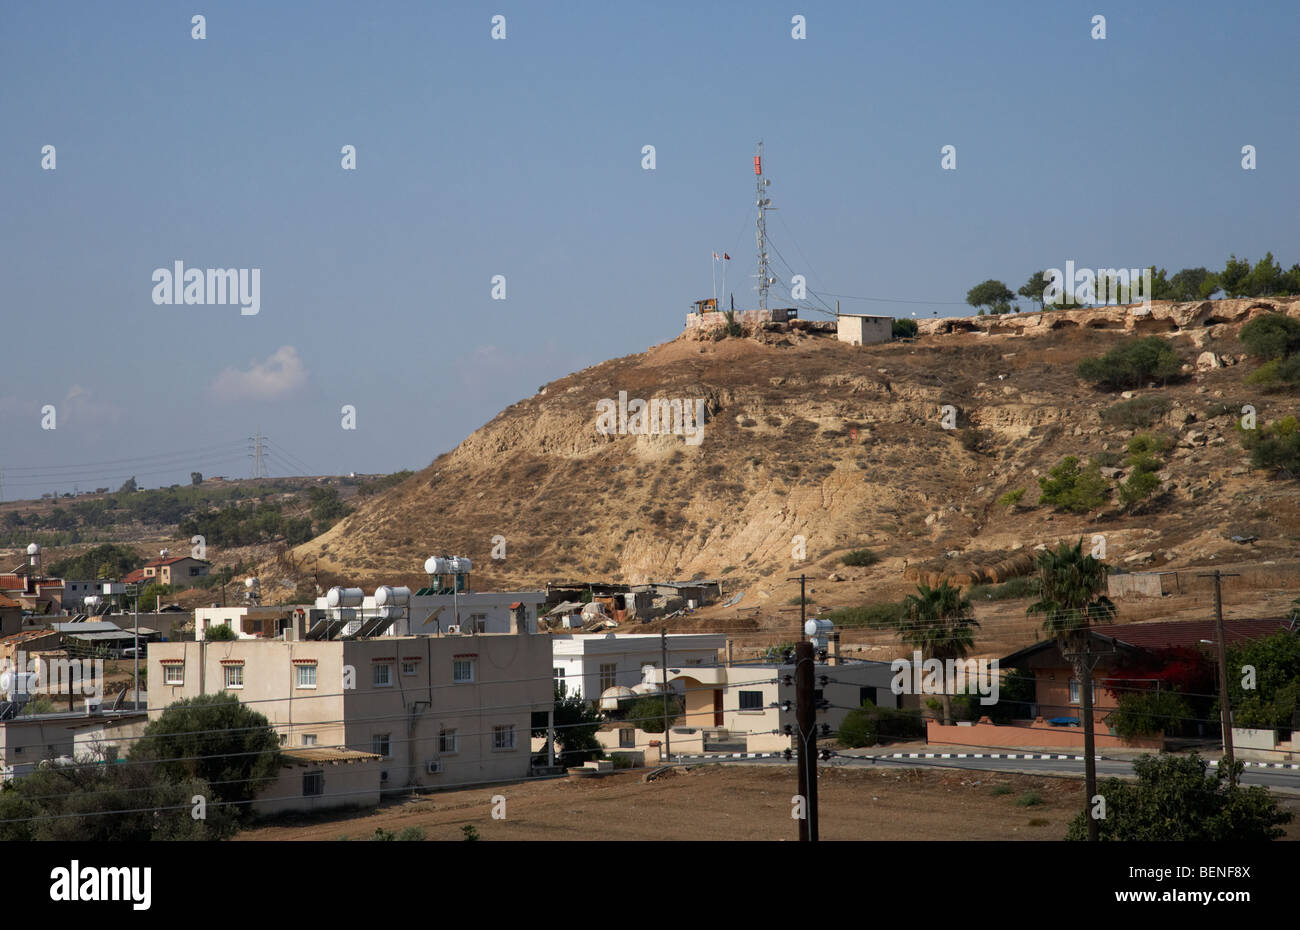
(1070, 602)
(940, 624)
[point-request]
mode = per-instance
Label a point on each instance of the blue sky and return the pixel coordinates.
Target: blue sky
(523, 158)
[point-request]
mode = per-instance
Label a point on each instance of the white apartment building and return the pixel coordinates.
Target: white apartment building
(589, 663)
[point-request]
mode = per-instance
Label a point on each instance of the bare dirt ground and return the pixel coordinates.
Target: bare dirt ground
(734, 803)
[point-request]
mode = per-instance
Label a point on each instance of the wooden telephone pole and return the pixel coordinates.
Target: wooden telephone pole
(1225, 711)
(805, 713)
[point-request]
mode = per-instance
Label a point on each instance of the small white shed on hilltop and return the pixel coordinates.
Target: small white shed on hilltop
(861, 330)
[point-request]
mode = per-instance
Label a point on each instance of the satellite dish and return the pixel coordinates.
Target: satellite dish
(163, 553)
(33, 548)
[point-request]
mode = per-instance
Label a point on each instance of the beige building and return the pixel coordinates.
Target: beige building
(251, 621)
(861, 330)
(436, 710)
(746, 707)
(26, 742)
(179, 571)
(316, 778)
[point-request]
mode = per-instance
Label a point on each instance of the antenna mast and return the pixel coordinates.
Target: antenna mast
(258, 455)
(764, 203)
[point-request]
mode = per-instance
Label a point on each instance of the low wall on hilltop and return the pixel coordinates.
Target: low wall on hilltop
(1163, 316)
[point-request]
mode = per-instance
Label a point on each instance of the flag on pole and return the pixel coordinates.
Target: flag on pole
(715, 256)
(726, 256)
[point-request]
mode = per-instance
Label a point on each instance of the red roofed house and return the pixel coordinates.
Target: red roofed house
(180, 571)
(1054, 718)
(28, 586)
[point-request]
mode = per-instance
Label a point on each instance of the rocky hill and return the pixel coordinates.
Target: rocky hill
(845, 447)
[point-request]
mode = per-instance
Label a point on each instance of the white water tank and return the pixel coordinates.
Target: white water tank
(460, 566)
(387, 596)
(817, 628)
(33, 548)
(436, 565)
(344, 597)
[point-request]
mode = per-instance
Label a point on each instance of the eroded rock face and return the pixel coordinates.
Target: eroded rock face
(1162, 316)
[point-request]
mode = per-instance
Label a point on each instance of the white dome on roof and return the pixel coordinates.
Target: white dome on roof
(610, 697)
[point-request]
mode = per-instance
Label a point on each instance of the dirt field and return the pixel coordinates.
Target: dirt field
(734, 803)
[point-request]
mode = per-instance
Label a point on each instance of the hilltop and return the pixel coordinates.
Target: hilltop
(844, 446)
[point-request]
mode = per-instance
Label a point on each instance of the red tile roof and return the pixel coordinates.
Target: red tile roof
(157, 563)
(1161, 634)
(134, 577)
(11, 583)
(8, 602)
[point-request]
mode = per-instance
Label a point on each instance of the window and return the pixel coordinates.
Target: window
(383, 675)
(626, 737)
(309, 739)
(446, 740)
(503, 737)
(313, 784)
(194, 571)
(478, 623)
(410, 667)
(608, 675)
(284, 739)
(558, 675)
(462, 670)
(751, 700)
(1074, 691)
(379, 744)
(234, 676)
(174, 674)
(306, 675)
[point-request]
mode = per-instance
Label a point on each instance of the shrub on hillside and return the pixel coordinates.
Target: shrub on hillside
(1271, 336)
(1011, 498)
(1143, 463)
(1275, 447)
(1073, 488)
(974, 440)
(1132, 364)
(1026, 586)
(871, 616)
(1139, 413)
(860, 557)
(1281, 373)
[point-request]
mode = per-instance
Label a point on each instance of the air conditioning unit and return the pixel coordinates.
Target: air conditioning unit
(434, 767)
(454, 628)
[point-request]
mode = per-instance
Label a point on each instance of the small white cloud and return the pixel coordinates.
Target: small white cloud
(281, 373)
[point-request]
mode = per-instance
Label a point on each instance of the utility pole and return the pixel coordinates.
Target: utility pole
(1085, 661)
(663, 655)
(805, 713)
(1225, 710)
(803, 603)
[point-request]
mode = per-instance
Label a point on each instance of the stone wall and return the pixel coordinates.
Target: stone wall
(1162, 316)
